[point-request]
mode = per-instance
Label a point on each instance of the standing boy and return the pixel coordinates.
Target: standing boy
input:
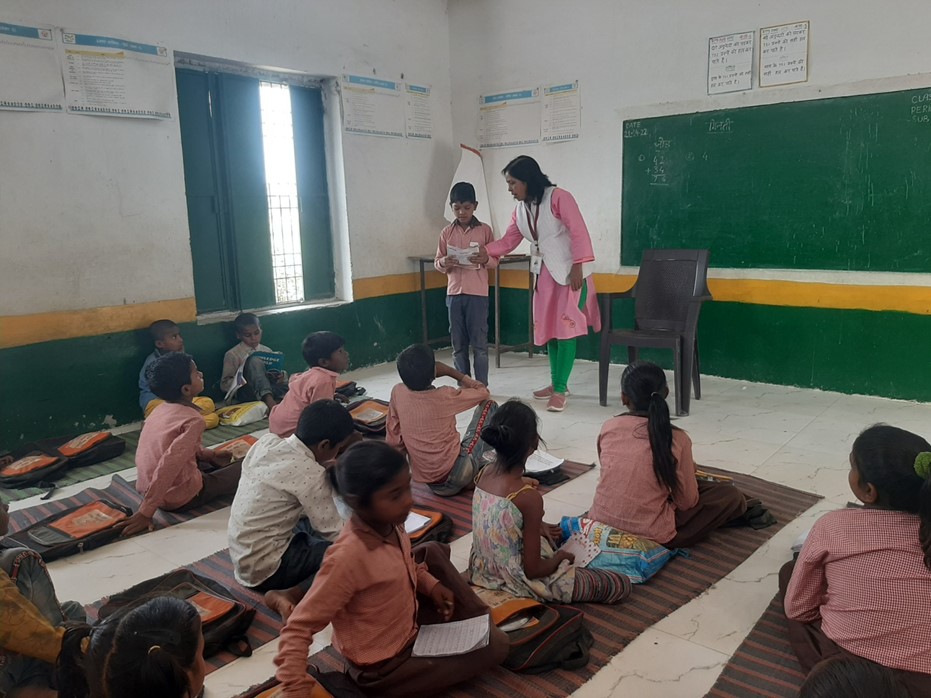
(467, 281)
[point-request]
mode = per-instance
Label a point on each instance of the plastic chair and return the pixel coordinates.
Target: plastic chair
(670, 289)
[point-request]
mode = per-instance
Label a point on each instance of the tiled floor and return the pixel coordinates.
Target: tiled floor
(795, 437)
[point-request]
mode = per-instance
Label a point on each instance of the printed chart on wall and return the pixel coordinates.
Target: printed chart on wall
(35, 84)
(418, 110)
(562, 113)
(730, 62)
(784, 54)
(372, 107)
(508, 119)
(109, 76)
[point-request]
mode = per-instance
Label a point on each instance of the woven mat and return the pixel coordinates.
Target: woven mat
(125, 460)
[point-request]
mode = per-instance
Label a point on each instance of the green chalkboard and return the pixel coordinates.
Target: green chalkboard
(840, 183)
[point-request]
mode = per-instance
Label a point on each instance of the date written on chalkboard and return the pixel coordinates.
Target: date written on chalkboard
(634, 129)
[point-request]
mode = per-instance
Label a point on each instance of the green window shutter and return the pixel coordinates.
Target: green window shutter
(213, 287)
(310, 162)
(241, 118)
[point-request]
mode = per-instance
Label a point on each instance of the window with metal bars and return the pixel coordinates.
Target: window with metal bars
(256, 186)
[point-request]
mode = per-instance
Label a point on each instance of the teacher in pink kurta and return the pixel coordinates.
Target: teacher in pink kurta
(564, 302)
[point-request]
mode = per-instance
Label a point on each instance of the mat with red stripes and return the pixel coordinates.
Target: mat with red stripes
(764, 664)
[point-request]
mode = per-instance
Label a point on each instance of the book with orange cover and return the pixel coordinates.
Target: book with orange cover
(238, 447)
(369, 412)
(210, 607)
(88, 520)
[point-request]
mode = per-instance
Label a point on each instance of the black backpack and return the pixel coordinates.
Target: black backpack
(225, 620)
(370, 416)
(51, 457)
(557, 640)
(77, 529)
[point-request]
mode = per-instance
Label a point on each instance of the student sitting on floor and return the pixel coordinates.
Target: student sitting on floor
(269, 387)
(175, 471)
(422, 422)
(30, 621)
(326, 354)
(167, 338)
(153, 651)
(862, 583)
(511, 544)
(376, 596)
(283, 517)
(648, 485)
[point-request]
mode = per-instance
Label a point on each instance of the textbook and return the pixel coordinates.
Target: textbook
(273, 360)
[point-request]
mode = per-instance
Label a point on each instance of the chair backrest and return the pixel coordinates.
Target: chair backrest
(667, 283)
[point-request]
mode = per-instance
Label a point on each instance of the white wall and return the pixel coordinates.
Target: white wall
(636, 59)
(92, 209)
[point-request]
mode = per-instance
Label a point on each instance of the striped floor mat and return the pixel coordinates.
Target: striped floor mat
(120, 491)
(126, 460)
(764, 665)
(459, 507)
(615, 626)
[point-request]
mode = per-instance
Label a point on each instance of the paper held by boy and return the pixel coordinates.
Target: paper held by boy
(455, 637)
(463, 255)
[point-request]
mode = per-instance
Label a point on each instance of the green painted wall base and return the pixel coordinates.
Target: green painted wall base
(56, 388)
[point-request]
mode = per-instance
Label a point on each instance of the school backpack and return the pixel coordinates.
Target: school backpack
(40, 461)
(224, 620)
(370, 416)
(349, 389)
(430, 526)
(543, 637)
(75, 530)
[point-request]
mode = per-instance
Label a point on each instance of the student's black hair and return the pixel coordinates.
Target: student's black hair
(320, 345)
(244, 320)
(512, 432)
(417, 366)
(462, 193)
(525, 169)
(162, 328)
(364, 469)
(145, 653)
(851, 677)
(884, 456)
(644, 383)
(169, 373)
(324, 420)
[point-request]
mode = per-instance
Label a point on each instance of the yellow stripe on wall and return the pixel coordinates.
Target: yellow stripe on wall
(20, 330)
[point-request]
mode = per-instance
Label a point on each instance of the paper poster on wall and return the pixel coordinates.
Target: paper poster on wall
(730, 62)
(418, 110)
(108, 76)
(562, 112)
(508, 119)
(31, 80)
(372, 107)
(470, 170)
(784, 54)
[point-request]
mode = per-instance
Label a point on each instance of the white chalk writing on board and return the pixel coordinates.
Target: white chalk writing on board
(784, 54)
(730, 62)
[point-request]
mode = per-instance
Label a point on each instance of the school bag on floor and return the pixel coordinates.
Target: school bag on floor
(42, 461)
(633, 556)
(349, 389)
(424, 525)
(77, 529)
(370, 416)
(543, 636)
(224, 620)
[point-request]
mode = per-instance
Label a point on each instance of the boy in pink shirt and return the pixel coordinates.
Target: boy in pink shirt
(467, 284)
(325, 353)
(175, 472)
(422, 422)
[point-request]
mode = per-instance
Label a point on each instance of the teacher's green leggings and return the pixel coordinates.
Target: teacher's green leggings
(562, 353)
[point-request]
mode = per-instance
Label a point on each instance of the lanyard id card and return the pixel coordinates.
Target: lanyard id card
(536, 259)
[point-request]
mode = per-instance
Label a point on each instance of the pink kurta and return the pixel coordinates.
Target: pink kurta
(556, 313)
